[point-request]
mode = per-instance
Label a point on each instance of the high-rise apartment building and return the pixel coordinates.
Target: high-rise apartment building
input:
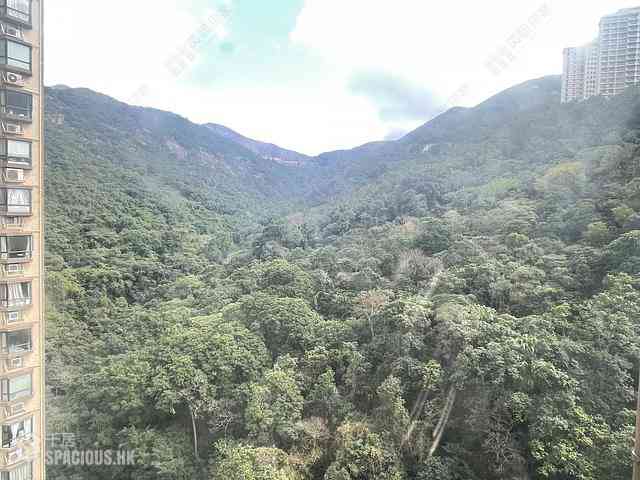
(572, 74)
(21, 241)
(619, 54)
(591, 66)
(580, 72)
(608, 65)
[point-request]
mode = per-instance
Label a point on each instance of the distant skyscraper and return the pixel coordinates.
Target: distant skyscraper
(609, 64)
(591, 67)
(619, 54)
(580, 72)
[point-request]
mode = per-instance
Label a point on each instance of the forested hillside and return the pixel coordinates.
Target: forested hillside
(462, 304)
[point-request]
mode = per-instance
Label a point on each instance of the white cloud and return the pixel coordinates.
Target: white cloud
(412, 37)
(118, 47)
(115, 47)
(311, 118)
(444, 45)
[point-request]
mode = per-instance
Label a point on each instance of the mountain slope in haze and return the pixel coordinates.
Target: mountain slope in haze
(268, 151)
(473, 124)
(228, 164)
(456, 125)
(163, 146)
(500, 120)
(491, 152)
(515, 123)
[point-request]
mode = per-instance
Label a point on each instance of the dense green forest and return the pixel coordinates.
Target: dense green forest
(460, 304)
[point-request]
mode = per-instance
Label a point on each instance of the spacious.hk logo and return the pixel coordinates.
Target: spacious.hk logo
(62, 449)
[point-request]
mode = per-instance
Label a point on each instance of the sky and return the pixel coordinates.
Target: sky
(312, 75)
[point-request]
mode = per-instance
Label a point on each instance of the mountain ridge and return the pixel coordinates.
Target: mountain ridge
(517, 96)
(268, 151)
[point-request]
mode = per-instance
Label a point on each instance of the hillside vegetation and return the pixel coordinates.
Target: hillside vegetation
(461, 304)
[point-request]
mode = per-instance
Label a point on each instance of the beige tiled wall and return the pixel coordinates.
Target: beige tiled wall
(31, 316)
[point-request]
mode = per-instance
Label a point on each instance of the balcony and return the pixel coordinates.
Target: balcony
(17, 11)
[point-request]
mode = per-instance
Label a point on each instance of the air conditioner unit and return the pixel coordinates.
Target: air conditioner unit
(15, 113)
(11, 78)
(16, 363)
(11, 31)
(15, 456)
(12, 222)
(17, 408)
(13, 317)
(14, 268)
(13, 128)
(14, 175)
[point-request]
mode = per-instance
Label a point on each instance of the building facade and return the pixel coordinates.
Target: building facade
(619, 53)
(608, 65)
(572, 74)
(21, 241)
(579, 75)
(591, 68)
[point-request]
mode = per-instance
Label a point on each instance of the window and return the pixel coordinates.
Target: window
(17, 151)
(14, 432)
(21, 472)
(15, 54)
(18, 9)
(13, 248)
(16, 201)
(17, 104)
(16, 388)
(15, 294)
(16, 342)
